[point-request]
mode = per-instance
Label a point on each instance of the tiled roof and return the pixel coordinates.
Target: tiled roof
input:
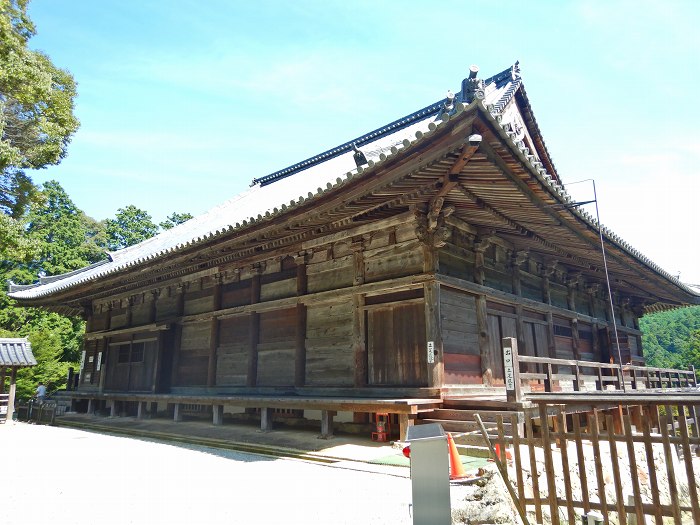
(268, 196)
(16, 352)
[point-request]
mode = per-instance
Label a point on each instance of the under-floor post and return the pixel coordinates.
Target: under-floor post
(405, 422)
(266, 419)
(91, 406)
(327, 424)
(218, 414)
(141, 409)
(177, 413)
(113, 408)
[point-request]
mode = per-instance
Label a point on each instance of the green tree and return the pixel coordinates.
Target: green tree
(36, 97)
(36, 121)
(131, 226)
(174, 219)
(68, 238)
(667, 336)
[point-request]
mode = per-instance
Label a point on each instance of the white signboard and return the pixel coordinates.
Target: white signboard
(431, 352)
(508, 367)
(99, 361)
(82, 360)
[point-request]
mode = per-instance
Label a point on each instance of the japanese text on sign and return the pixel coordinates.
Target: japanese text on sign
(508, 368)
(431, 352)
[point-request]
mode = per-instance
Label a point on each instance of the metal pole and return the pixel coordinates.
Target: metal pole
(607, 275)
(607, 281)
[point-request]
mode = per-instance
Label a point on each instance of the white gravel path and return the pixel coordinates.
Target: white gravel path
(64, 476)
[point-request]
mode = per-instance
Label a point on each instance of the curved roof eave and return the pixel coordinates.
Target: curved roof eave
(131, 258)
(558, 191)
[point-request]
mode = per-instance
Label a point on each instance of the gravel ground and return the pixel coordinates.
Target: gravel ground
(59, 476)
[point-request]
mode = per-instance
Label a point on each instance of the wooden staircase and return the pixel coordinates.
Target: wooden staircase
(457, 416)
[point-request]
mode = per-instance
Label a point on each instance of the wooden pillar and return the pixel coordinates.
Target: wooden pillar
(433, 335)
(482, 314)
(218, 414)
(405, 422)
(517, 261)
(252, 378)
(157, 363)
(112, 407)
(548, 272)
(11, 393)
(177, 335)
(359, 344)
(2, 379)
(575, 339)
(141, 409)
(266, 417)
(91, 406)
(484, 341)
(300, 346)
(214, 332)
(129, 310)
(177, 413)
(327, 424)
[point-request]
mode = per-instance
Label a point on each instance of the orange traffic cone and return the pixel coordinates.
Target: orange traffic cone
(456, 468)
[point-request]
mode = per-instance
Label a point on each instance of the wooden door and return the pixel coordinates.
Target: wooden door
(396, 345)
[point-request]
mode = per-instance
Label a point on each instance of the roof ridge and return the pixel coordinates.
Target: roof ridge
(512, 71)
(351, 144)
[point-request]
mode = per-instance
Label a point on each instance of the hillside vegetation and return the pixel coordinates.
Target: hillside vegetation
(672, 339)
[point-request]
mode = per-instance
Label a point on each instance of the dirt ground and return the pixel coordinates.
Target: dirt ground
(66, 476)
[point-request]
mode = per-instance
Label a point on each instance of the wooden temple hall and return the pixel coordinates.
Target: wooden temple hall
(378, 277)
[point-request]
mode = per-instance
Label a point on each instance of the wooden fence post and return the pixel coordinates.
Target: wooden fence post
(511, 369)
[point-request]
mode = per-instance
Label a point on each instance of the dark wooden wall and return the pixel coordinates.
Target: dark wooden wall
(350, 310)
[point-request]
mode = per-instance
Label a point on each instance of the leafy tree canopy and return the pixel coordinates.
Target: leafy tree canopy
(131, 226)
(69, 239)
(174, 219)
(671, 339)
(36, 97)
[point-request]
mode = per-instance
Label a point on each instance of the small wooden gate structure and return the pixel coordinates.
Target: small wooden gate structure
(15, 353)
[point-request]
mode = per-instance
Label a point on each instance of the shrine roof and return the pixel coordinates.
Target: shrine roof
(16, 352)
(277, 193)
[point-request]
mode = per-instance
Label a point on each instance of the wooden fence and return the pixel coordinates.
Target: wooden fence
(552, 375)
(4, 398)
(633, 461)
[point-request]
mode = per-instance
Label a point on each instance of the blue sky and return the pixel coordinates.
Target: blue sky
(182, 103)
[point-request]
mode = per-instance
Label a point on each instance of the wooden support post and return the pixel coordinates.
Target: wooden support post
(300, 347)
(91, 406)
(214, 332)
(213, 346)
(405, 422)
(177, 339)
(484, 341)
(141, 410)
(112, 408)
(327, 424)
(358, 341)
(433, 335)
(511, 369)
(157, 363)
(359, 344)
(254, 331)
(11, 394)
(2, 379)
(218, 414)
(177, 413)
(266, 419)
